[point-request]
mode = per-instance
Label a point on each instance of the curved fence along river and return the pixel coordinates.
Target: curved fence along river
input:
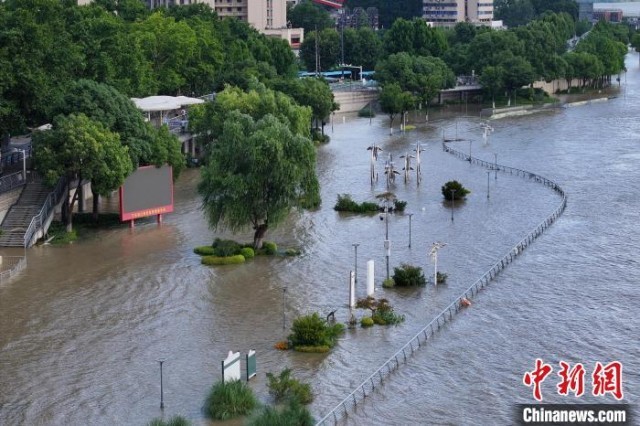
(422, 337)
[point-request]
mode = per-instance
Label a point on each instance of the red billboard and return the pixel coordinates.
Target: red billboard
(147, 192)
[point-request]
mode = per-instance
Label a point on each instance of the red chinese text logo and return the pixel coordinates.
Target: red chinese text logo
(605, 379)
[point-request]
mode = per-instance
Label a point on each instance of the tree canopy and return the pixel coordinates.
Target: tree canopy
(257, 171)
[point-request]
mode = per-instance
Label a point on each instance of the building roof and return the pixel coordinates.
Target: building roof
(164, 103)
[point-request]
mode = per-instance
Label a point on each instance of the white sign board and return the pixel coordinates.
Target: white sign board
(231, 367)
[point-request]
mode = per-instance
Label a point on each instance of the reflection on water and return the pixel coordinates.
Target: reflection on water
(82, 328)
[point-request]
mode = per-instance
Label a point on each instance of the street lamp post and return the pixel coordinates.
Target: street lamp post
(355, 266)
(434, 255)
(410, 215)
(284, 318)
(161, 361)
(470, 142)
(453, 191)
(24, 162)
(495, 164)
(387, 243)
(488, 174)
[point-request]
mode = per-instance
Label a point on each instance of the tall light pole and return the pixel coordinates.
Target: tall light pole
(488, 174)
(24, 162)
(387, 243)
(355, 266)
(453, 191)
(495, 164)
(470, 142)
(433, 253)
(410, 215)
(161, 361)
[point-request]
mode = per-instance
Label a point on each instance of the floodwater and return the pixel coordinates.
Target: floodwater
(82, 328)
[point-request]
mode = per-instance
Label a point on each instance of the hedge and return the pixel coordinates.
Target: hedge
(204, 250)
(228, 260)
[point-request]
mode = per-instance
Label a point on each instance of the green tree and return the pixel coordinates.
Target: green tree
(393, 101)
(255, 173)
(328, 50)
(309, 16)
(390, 10)
(78, 148)
(314, 93)
(518, 72)
(492, 82)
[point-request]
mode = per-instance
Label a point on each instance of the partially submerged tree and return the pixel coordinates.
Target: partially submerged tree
(78, 148)
(257, 171)
(454, 187)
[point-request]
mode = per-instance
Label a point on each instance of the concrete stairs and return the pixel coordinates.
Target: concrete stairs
(20, 214)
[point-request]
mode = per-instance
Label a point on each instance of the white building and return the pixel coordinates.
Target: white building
(447, 13)
(267, 16)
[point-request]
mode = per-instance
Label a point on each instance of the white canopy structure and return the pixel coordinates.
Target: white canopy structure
(164, 103)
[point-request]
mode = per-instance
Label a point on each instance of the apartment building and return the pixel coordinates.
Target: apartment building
(267, 16)
(447, 13)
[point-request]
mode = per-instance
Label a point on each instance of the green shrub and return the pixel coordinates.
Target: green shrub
(311, 330)
(285, 386)
(104, 220)
(387, 317)
(407, 276)
(173, 421)
(399, 205)
(442, 277)
(292, 252)
(227, 400)
(320, 349)
(270, 248)
(346, 204)
(367, 112)
(225, 248)
(366, 322)
(247, 252)
(388, 283)
(293, 414)
(228, 260)
(460, 191)
(204, 250)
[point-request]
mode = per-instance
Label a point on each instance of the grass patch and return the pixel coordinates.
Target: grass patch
(58, 232)
(320, 349)
(227, 400)
(286, 387)
(310, 333)
(294, 414)
(173, 421)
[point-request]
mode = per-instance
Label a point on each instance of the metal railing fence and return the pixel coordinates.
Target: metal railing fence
(18, 263)
(37, 222)
(422, 337)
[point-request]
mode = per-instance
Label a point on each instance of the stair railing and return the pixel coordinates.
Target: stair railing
(37, 222)
(12, 181)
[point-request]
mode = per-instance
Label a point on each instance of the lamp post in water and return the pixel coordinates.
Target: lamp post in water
(410, 216)
(495, 164)
(355, 265)
(488, 175)
(387, 243)
(453, 191)
(433, 253)
(284, 317)
(161, 361)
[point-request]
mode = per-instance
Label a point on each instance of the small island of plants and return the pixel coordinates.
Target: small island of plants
(382, 313)
(310, 333)
(346, 203)
(229, 252)
(454, 190)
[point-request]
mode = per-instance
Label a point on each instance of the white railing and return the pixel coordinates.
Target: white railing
(37, 222)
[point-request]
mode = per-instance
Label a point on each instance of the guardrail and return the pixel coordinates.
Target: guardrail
(12, 181)
(422, 337)
(37, 222)
(18, 264)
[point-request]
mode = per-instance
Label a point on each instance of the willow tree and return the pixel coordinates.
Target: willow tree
(257, 171)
